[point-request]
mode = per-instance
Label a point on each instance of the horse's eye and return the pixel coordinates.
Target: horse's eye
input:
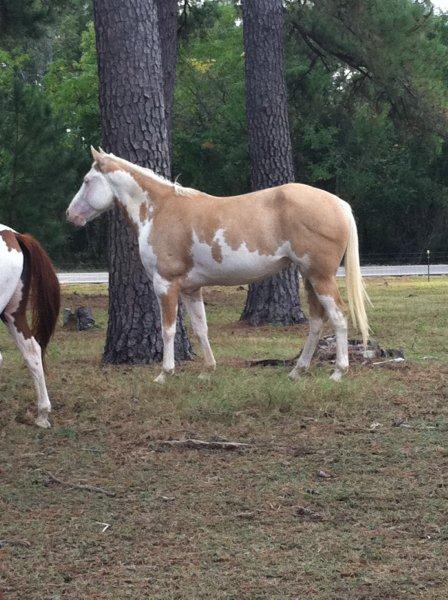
(86, 179)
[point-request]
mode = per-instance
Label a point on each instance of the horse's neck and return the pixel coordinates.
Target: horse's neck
(138, 196)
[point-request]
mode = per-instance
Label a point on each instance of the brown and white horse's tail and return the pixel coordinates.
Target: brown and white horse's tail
(41, 289)
(356, 292)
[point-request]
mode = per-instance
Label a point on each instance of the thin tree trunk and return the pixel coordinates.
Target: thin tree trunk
(133, 127)
(167, 17)
(275, 300)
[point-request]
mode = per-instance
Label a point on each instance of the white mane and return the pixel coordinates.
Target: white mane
(178, 189)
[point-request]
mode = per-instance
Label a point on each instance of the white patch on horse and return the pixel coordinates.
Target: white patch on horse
(129, 193)
(178, 189)
(147, 254)
(339, 322)
(161, 285)
(32, 353)
(236, 266)
(11, 261)
(304, 262)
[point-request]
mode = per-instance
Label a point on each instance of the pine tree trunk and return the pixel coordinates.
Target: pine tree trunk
(133, 127)
(167, 18)
(275, 300)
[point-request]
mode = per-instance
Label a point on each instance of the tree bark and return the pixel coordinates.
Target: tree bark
(167, 18)
(133, 127)
(274, 300)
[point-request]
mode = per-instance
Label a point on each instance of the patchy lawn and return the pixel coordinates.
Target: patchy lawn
(341, 494)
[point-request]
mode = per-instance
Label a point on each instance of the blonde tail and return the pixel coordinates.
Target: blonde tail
(356, 292)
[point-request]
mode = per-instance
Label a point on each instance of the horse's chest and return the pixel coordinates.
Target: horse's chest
(147, 254)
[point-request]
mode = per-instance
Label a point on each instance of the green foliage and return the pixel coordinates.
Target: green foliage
(23, 18)
(367, 99)
(72, 88)
(33, 155)
(209, 131)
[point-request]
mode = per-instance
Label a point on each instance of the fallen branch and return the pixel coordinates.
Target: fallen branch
(50, 478)
(203, 444)
(24, 543)
(326, 353)
(274, 362)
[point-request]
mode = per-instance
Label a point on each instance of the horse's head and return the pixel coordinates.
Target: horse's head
(95, 195)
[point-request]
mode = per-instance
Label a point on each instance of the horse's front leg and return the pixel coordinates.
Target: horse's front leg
(168, 297)
(195, 307)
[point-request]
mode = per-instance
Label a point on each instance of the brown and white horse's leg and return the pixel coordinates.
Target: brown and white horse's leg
(316, 322)
(328, 295)
(168, 297)
(195, 307)
(15, 318)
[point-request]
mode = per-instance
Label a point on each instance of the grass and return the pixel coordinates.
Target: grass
(259, 523)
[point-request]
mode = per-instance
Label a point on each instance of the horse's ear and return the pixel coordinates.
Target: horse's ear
(95, 155)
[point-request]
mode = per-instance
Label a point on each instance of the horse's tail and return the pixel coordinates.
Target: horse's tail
(41, 289)
(357, 294)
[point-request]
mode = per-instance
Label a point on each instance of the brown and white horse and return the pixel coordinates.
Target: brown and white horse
(189, 239)
(26, 274)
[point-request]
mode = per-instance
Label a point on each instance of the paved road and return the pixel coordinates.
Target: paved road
(370, 271)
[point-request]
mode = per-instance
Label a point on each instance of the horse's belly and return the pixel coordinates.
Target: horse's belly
(221, 265)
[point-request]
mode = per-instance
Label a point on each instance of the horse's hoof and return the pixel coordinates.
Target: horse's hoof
(204, 376)
(43, 422)
(336, 376)
(295, 374)
(160, 378)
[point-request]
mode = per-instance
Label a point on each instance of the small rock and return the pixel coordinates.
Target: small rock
(307, 513)
(323, 475)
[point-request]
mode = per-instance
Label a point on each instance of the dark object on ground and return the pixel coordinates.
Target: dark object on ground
(204, 444)
(326, 352)
(80, 320)
(50, 478)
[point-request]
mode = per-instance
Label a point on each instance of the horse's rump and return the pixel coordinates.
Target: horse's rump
(40, 288)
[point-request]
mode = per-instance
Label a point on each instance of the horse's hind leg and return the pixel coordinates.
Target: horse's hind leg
(328, 294)
(316, 322)
(15, 319)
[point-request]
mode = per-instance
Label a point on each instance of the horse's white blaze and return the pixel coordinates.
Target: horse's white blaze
(92, 199)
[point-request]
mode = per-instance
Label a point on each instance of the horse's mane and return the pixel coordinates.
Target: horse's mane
(178, 189)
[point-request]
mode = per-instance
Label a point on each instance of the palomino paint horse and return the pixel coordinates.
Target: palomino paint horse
(189, 239)
(26, 273)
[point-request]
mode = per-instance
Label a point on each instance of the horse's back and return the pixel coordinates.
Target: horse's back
(11, 265)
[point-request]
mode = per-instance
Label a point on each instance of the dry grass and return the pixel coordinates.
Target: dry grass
(258, 523)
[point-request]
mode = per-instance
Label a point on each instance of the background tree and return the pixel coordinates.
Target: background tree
(167, 17)
(134, 127)
(274, 300)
